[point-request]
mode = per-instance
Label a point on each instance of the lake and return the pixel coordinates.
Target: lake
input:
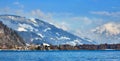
(80, 55)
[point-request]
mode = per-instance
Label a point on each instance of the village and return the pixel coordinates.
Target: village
(46, 46)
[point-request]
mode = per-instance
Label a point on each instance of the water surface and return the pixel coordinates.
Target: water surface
(82, 55)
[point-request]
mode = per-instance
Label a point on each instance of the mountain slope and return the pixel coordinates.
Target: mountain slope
(9, 38)
(37, 31)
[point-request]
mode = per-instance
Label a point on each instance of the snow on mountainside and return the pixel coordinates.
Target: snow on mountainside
(37, 31)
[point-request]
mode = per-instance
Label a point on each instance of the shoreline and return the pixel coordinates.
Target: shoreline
(64, 47)
(57, 50)
(53, 50)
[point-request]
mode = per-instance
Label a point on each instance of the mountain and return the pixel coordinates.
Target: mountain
(109, 31)
(9, 37)
(37, 31)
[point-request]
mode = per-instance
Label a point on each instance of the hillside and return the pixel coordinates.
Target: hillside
(9, 38)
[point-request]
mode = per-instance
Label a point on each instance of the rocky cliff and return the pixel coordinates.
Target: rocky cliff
(9, 38)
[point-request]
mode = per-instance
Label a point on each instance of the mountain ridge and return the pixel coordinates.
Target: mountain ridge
(37, 31)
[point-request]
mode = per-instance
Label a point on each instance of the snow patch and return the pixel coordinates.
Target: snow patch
(37, 38)
(57, 34)
(11, 17)
(40, 35)
(47, 29)
(26, 26)
(33, 20)
(63, 38)
(21, 29)
(52, 39)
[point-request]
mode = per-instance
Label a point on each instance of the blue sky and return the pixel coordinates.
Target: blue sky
(75, 16)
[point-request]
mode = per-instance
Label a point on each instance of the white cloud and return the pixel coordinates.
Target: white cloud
(115, 7)
(36, 14)
(86, 21)
(106, 33)
(61, 14)
(6, 9)
(107, 13)
(9, 10)
(19, 12)
(109, 29)
(18, 4)
(40, 14)
(83, 19)
(79, 33)
(49, 17)
(63, 25)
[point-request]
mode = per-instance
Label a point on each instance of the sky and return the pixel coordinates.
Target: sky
(76, 16)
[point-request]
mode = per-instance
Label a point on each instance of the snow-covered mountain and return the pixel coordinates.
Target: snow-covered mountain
(37, 31)
(109, 31)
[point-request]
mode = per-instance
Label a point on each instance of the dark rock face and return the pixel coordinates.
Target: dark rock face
(9, 38)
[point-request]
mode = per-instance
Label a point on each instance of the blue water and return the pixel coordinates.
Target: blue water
(83, 55)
